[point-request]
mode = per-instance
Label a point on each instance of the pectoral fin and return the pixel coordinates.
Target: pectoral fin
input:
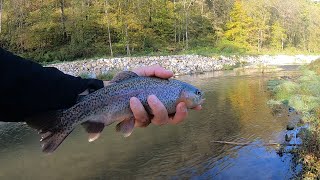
(125, 127)
(94, 129)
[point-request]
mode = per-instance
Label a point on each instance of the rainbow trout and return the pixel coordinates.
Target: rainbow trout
(112, 104)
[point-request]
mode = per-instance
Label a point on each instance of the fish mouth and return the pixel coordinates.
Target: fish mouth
(202, 101)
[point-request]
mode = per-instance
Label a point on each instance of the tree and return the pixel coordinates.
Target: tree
(278, 36)
(63, 20)
(108, 26)
(239, 27)
(186, 6)
(260, 13)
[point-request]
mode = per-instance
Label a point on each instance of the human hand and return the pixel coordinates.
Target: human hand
(160, 112)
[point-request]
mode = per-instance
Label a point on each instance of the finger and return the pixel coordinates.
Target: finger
(198, 108)
(154, 70)
(181, 113)
(159, 111)
(140, 114)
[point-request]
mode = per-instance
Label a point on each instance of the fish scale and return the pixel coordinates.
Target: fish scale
(112, 104)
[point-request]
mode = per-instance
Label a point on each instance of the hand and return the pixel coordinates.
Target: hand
(160, 113)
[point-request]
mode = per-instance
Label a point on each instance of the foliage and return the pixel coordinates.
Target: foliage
(228, 47)
(278, 36)
(240, 26)
(65, 30)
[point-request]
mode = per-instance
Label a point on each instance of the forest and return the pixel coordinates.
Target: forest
(64, 30)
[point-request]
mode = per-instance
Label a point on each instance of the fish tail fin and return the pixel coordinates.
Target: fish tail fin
(50, 141)
(51, 130)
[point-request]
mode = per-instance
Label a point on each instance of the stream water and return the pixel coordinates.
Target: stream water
(235, 110)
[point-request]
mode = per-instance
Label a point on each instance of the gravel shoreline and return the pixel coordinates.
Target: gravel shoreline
(179, 64)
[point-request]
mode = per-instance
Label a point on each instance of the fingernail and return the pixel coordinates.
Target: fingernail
(153, 99)
(134, 101)
(183, 109)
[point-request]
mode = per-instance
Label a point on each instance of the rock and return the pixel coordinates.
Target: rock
(180, 64)
(291, 109)
(301, 121)
(288, 137)
(290, 126)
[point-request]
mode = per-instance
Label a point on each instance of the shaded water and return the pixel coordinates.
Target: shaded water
(235, 110)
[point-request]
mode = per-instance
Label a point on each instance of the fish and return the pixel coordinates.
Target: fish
(112, 104)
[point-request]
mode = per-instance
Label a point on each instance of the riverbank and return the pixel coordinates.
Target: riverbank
(302, 94)
(179, 64)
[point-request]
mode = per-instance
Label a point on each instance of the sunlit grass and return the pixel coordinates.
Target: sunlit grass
(303, 94)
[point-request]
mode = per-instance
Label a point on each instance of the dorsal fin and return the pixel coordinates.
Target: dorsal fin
(123, 76)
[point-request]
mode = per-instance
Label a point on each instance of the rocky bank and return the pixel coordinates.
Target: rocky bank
(179, 64)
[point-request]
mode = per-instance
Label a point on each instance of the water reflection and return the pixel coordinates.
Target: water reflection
(235, 110)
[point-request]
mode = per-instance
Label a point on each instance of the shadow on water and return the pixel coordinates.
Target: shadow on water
(235, 110)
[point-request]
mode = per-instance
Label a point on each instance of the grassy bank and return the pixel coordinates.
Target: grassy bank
(103, 76)
(303, 94)
(223, 49)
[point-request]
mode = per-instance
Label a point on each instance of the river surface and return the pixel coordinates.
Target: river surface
(235, 110)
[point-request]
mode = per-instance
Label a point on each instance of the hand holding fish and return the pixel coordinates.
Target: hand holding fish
(160, 112)
(130, 99)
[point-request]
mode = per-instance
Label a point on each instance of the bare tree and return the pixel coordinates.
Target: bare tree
(108, 26)
(186, 11)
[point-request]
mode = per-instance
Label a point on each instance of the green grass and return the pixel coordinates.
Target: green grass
(224, 48)
(84, 75)
(315, 66)
(303, 94)
(103, 76)
(106, 76)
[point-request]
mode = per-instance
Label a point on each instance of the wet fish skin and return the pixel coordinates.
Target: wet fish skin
(111, 104)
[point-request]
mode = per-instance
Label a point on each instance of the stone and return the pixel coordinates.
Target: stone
(180, 64)
(288, 137)
(290, 126)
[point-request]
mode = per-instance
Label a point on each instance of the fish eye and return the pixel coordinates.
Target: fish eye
(198, 92)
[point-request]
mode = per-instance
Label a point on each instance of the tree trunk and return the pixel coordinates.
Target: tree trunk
(260, 39)
(1, 7)
(127, 39)
(175, 21)
(187, 41)
(63, 20)
(108, 26)
(186, 10)
(202, 7)
(150, 10)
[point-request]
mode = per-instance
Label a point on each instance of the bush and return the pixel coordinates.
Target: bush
(230, 47)
(106, 76)
(315, 66)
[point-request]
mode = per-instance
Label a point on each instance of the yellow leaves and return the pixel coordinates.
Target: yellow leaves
(311, 166)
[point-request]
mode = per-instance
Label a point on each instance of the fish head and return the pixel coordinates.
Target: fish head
(191, 95)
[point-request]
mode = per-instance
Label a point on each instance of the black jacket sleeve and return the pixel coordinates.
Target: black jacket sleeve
(27, 88)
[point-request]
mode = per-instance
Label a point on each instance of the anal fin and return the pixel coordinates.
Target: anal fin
(93, 136)
(94, 129)
(125, 127)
